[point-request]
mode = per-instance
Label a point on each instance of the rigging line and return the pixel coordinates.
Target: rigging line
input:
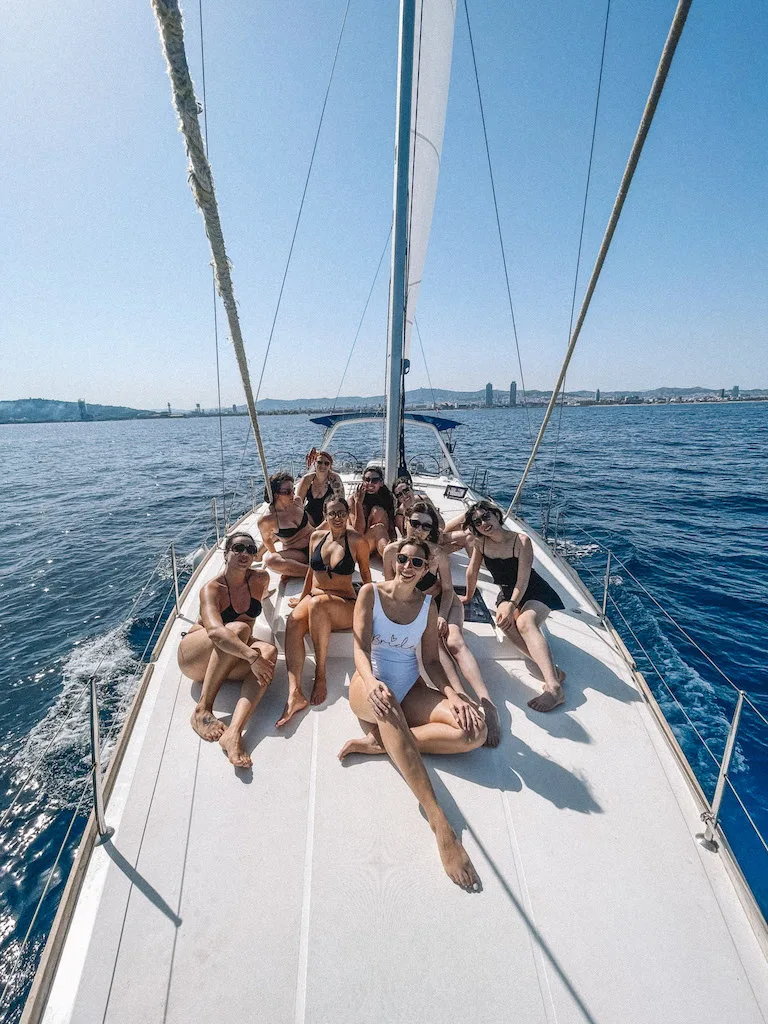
(498, 224)
(665, 62)
(303, 197)
(200, 180)
(213, 276)
(581, 241)
(365, 310)
(423, 356)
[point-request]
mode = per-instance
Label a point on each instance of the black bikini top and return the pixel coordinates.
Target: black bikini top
(291, 531)
(427, 581)
(344, 568)
(230, 613)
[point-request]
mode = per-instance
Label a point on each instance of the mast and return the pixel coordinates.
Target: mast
(398, 291)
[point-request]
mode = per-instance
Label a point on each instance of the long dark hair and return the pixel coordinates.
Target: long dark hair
(481, 506)
(425, 509)
(383, 498)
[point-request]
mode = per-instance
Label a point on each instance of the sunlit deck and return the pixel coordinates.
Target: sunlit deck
(310, 891)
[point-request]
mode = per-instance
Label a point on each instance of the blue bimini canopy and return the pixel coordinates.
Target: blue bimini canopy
(334, 418)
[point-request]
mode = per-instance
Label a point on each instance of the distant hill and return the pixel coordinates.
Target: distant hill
(44, 410)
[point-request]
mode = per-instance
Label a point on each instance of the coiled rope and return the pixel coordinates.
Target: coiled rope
(200, 178)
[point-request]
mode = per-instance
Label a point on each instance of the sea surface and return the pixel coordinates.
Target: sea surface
(87, 511)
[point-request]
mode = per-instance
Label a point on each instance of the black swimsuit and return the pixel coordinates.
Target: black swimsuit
(426, 582)
(230, 613)
(504, 572)
(314, 505)
(286, 532)
(344, 568)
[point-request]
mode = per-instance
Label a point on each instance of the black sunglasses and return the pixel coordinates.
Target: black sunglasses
(484, 517)
(284, 491)
(419, 524)
(240, 548)
(401, 492)
(416, 561)
(372, 479)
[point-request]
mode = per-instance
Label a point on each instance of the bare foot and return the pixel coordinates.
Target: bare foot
(296, 702)
(548, 700)
(319, 690)
(206, 725)
(492, 722)
(362, 745)
(455, 858)
(231, 743)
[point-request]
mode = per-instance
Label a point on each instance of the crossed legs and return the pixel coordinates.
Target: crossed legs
(421, 724)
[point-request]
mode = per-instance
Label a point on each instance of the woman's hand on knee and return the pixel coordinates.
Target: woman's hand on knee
(467, 714)
(505, 615)
(382, 700)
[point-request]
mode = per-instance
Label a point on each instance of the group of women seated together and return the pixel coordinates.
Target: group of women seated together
(401, 715)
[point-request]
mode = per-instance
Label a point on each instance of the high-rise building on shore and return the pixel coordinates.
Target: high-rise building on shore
(597, 396)
(735, 391)
(513, 394)
(488, 395)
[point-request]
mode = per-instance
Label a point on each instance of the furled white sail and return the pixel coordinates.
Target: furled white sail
(433, 49)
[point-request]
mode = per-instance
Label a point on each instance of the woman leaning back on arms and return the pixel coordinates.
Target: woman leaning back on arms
(286, 521)
(525, 599)
(401, 715)
(221, 646)
(327, 602)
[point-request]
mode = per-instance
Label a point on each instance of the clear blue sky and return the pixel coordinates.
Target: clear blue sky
(105, 284)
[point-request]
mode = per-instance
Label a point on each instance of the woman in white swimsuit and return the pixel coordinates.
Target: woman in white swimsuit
(400, 714)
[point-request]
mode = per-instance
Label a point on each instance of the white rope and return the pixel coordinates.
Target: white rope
(654, 96)
(201, 182)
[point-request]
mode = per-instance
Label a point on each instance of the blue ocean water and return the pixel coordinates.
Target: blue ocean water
(678, 492)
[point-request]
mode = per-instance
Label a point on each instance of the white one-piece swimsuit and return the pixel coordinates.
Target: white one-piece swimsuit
(393, 647)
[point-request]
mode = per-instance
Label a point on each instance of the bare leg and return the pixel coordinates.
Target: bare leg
(251, 692)
(295, 631)
(220, 666)
(399, 743)
(465, 659)
(287, 563)
(327, 613)
(529, 626)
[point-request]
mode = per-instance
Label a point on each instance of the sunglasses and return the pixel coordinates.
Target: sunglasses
(484, 517)
(402, 491)
(240, 549)
(284, 491)
(416, 561)
(419, 524)
(341, 514)
(322, 462)
(373, 479)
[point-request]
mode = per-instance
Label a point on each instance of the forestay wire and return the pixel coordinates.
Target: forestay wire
(200, 178)
(673, 38)
(578, 255)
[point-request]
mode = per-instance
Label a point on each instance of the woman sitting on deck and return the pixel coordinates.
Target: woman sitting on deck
(286, 521)
(372, 509)
(401, 715)
(405, 498)
(422, 524)
(220, 645)
(525, 599)
(327, 602)
(318, 484)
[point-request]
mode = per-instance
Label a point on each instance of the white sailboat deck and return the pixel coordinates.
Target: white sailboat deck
(307, 890)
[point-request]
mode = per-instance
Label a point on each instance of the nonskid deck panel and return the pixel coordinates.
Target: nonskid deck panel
(311, 891)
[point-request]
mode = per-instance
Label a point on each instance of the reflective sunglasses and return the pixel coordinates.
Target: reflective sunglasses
(416, 561)
(240, 549)
(419, 524)
(373, 479)
(484, 517)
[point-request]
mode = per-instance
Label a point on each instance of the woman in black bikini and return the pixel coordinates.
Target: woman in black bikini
(372, 509)
(286, 521)
(319, 484)
(327, 602)
(525, 599)
(422, 524)
(221, 646)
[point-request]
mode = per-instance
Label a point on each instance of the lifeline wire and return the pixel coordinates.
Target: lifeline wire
(424, 357)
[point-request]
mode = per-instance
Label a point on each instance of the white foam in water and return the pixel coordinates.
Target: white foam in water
(57, 749)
